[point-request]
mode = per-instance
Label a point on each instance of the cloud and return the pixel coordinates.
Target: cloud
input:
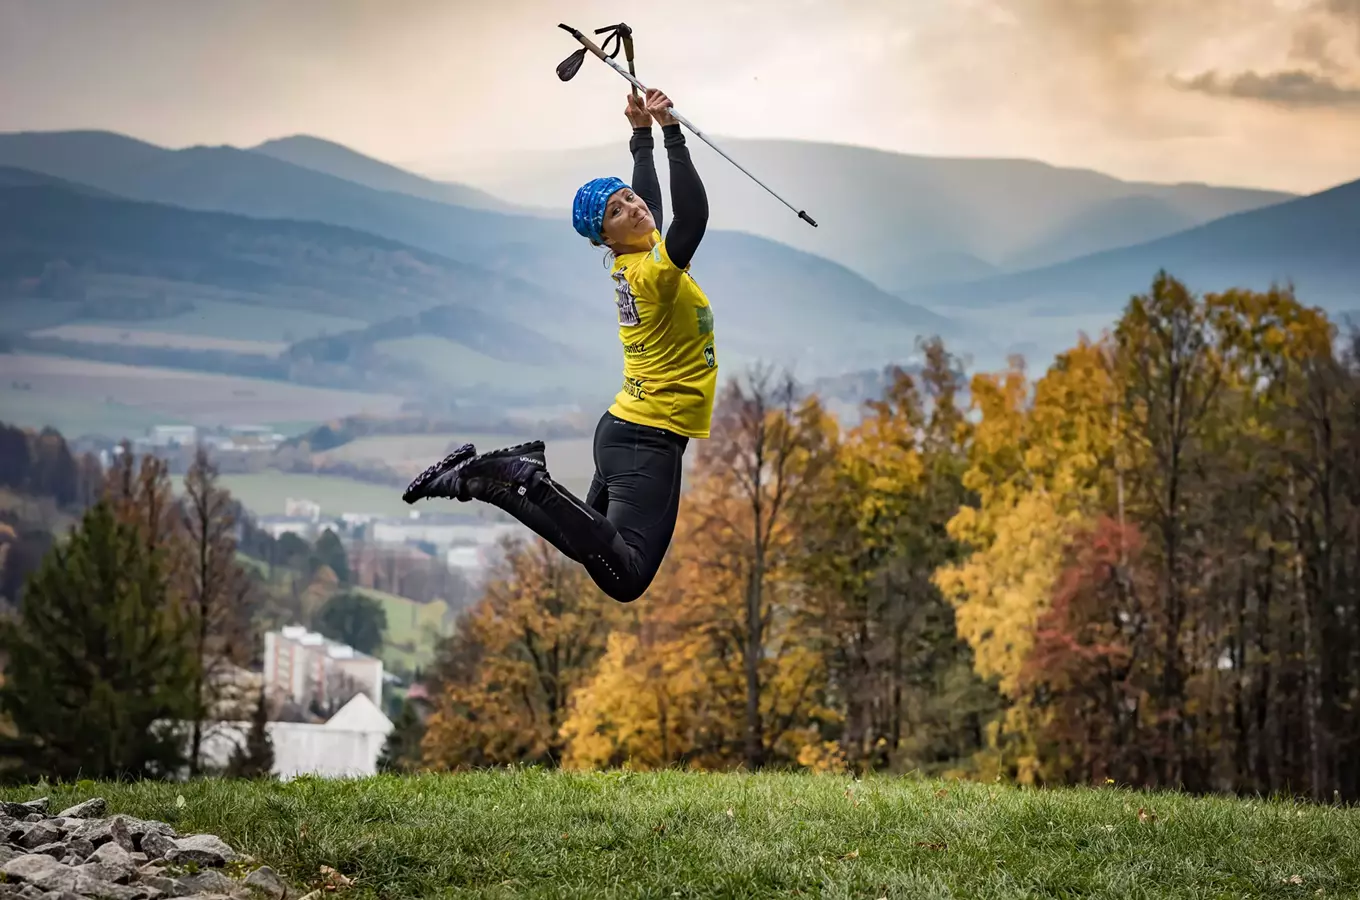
(1320, 68)
(1293, 88)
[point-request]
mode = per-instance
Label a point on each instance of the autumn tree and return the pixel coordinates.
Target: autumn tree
(502, 684)
(1171, 378)
(770, 453)
(1082, 669)
(898, 669)
(217, 595)
(1041, 465)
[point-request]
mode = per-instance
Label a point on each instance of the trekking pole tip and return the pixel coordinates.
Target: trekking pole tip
(807, 218)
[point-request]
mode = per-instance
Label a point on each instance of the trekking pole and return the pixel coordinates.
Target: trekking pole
(568, 68)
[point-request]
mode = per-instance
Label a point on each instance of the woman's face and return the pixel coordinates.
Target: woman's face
(627, 221)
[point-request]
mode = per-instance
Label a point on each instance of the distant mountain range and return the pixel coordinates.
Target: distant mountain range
(897, 219)
(1312, 242)
(342, 162)
(773, 302)
(993, 255)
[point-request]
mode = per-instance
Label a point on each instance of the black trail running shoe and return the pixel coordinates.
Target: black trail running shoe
(451, 480)
(511, 467)
(432, 482)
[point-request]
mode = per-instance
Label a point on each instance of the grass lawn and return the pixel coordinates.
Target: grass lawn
(541, 834)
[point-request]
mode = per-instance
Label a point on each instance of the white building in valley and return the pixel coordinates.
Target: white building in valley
(346, 746)
(302, 665)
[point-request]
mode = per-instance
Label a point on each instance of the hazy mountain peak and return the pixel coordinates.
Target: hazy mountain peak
(331, 158)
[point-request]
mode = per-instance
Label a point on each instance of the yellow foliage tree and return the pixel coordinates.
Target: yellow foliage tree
(1039, 467)
(504, 681)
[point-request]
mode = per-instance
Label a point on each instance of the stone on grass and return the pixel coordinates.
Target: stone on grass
(267, 882)
(80, 847)
(204, 849)
(90, 809)
(21, 810)
(42, 871)
(38, 834)
(113, 856)
(121, 834)
(57, 850)
(155, 845)
(79, 856)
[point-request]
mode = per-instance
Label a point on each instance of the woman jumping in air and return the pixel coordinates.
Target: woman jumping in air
(621, 532)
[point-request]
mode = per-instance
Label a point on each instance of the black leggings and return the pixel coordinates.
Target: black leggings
(623, 529)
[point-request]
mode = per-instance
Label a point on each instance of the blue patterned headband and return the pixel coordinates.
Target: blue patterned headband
(587, 212)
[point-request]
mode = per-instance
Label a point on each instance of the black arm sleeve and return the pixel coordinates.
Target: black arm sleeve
(645, 183)
(689, 202)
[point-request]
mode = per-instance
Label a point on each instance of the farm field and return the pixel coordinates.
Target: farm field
(74, 414)
(215, 315)
(173, 396)
(265, 493)
(462, 368)
(451, 362)
(249, 322)
(136, 337)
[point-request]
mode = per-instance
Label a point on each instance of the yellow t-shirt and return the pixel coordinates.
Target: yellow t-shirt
(670, 370)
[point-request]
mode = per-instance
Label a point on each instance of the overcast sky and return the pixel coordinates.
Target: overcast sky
(1252, 92)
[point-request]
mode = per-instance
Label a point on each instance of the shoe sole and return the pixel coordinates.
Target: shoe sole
(455, 459)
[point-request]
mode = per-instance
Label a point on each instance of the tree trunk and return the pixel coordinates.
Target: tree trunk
(755, 742)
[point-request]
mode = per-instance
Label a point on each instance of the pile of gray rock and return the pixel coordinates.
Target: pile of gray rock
(79, 854)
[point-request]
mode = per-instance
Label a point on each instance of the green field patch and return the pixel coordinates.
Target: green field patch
(462, 368)
(172, 396)
(454, 364)
(242, 322)
(74, 414)
(413, 629)
(137, 337)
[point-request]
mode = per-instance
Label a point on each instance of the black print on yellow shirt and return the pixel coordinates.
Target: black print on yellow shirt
(624, 299)
(633, 388)
(637, 348)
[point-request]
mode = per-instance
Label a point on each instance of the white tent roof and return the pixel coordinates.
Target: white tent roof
(361, 714)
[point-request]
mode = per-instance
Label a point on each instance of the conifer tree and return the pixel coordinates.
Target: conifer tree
(255, 758)
(99, 662)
